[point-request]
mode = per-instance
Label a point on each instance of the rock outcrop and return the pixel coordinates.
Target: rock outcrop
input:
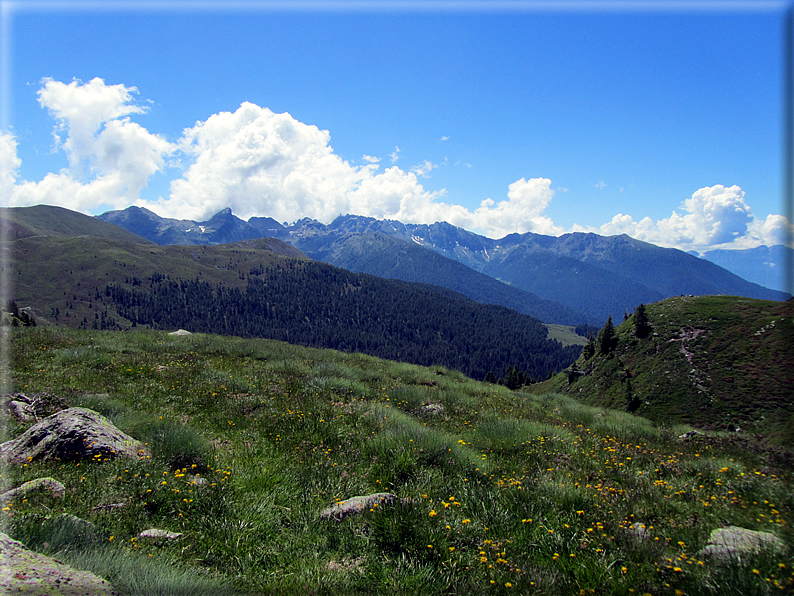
(71, 435)
(23, 571)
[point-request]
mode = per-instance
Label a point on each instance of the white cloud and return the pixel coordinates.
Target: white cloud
(371, 159)
(261, 163)
(424, 169)
(258, 163)
(110, 158)
(9, 164)
(444, 138)
(775, 229)
(601, 184)
(81, 109)
(714, 217)
(521, 212)
(395, 155)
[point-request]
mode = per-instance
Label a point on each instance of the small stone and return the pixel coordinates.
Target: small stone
(639, 531)
(155, 534)
(431, 410)
(22, 411)
(689, 434)
(356, 505)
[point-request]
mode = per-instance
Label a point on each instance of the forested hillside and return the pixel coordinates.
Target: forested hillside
(266, 288)
(314, 304)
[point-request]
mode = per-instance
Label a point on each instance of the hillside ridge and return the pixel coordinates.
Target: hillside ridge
(715, 362)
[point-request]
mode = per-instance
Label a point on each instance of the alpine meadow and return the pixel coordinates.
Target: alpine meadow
(653, 458)
(365, 298)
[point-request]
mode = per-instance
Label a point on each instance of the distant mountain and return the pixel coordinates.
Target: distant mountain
(764, 265)
(599, 275)
(384, 255)
(714, 362)
(267, 288)
(47, 220)
(594, 275)
(374, 251)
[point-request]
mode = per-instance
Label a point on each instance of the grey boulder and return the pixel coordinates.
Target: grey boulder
(734, 542)
(23, 571)
(71, 435)
(45, 484)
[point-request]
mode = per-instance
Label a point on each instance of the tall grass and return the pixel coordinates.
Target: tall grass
(498, 491)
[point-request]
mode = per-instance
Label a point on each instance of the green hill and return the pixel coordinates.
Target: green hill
(497, 492)
(715, 362)
(67, 273)
(47, 220)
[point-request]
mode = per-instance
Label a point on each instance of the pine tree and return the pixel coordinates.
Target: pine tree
(589, 349)
(606, 337)
(573, 373)
(641, 324)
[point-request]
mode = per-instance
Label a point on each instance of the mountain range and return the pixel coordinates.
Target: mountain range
(570, 279)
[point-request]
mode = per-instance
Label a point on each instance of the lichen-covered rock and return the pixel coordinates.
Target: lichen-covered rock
(733, 542)
(355, 505)
(432, 410)
(180, 332)
(71, 435)
(49, 485)
(25, 572)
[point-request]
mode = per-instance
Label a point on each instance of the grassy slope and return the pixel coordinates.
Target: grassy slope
(47, 220)
(711, 361)
(47, 272)
(565, 334)
(509, 492)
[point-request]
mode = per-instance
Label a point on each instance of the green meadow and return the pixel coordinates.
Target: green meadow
(499, 491)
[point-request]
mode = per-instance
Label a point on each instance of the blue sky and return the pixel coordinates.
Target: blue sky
(659, 122)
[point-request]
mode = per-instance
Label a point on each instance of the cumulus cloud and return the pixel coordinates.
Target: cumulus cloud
(371, 159)
(111, 159)
(521, 212)
(395, 155)
(258, 162)
(9, 164)
(713, 217)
